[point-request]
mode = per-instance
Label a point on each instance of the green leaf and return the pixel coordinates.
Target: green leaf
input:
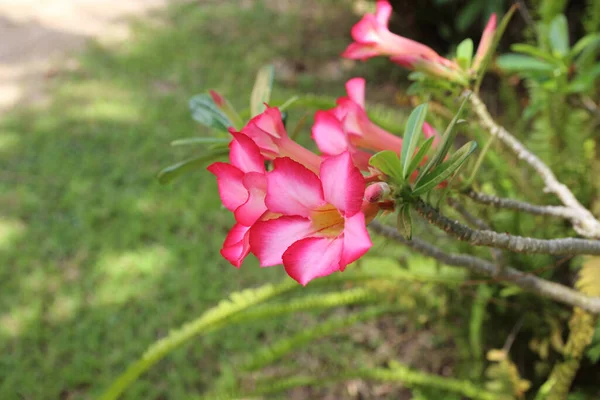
(205, 111)
(288, 103)
(534, 52)
(468, 14)
(492, 50)
(414, 164)
(412, 133)
(404, 221)
(521, 63)
(199, 140)
(388, 162)
(464, 53)
(444, 145)
(168, 174)
(261, 92)
(440, 173)
(591, 40)
(558, 35)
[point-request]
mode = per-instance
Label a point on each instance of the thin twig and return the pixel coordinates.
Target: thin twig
(518, 244)
(525, 281)
(501, 202)
(583, 220)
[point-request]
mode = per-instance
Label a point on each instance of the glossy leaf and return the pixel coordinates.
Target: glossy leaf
(558, 35)
(404, 221)
(261, 92)
(412, 133)
(443, 171)
(423, 150)
(174, 171)
(464, 53)
(388, 162)
(205, 111)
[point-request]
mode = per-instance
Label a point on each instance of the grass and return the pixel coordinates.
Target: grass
(97, 260)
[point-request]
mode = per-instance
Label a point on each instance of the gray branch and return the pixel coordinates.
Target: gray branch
(480, 266)
(517, 244)
(510, 204)
(583, 220)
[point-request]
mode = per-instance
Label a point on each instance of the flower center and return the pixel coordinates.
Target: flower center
(327, 221)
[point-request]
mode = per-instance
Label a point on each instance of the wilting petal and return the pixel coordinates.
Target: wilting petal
(312, 258)
(249, 212)
(343, 184)
(231, 188)
(356, 240)
(355, 88)
(292, 189)
(245, 154)
(270, 239)
(328, 133)
(236, 246)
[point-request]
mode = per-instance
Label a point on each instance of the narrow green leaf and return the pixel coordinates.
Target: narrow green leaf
(388, 162)
(261, 93)
(440, 173)
(444, 145)
(168, 174)
(593, 39)
(492, 50)
(404, 221)
(299, 126)
(288, 103)
(464, 53)
(534, 52)
(412, 133)
(205, 111)
(423, 150)
(521, 63)
(558, 35)
(199, 140)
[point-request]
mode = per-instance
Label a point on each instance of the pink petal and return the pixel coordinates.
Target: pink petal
(231, 188)
(366, 30)
(361, 51)
(270, 122)
(356, 90)
(249, 212)
(343, 184)
(485, 42)
(292, 189)
(237, 245)
(270, 239)
(245, 154)
(312, 258)
(356, 239)
(383, 13)
(327, 132)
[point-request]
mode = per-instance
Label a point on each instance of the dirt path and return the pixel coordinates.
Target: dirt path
(38, 35)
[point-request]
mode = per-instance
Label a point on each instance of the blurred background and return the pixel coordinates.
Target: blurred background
(98, 260)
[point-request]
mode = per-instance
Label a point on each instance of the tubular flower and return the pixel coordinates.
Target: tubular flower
(269, 134)
(348, 128)
(373, 38)
(322, 227)
(242, 187)
(486, 42)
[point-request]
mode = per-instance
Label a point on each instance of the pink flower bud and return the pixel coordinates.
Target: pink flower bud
(377, 192)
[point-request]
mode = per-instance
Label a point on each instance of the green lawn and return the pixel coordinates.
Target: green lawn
(97, 260)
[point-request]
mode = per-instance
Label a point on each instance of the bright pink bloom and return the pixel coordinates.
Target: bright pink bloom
(321, 228)
(242, 187)
(268, 132)
(486, 41)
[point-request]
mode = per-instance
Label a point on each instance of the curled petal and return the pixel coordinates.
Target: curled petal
(312, 258)
(328, 133)
(237, 245)
(292, 189)
(343, 184)
(383, 12)
(249, 212)
(360, 51)
(270, 239)
(355, 88)
(231, 187)
(356, 240)
(367, 30)
(245, 154)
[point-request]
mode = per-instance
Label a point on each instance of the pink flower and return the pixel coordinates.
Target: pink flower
(322, 228)
(348, 128)
(242, 187)
(486, 41)
(268, 132)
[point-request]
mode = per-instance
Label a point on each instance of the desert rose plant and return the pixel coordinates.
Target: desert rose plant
(316, 212)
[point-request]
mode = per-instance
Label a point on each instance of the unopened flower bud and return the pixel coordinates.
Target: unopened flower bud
(377, 192)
